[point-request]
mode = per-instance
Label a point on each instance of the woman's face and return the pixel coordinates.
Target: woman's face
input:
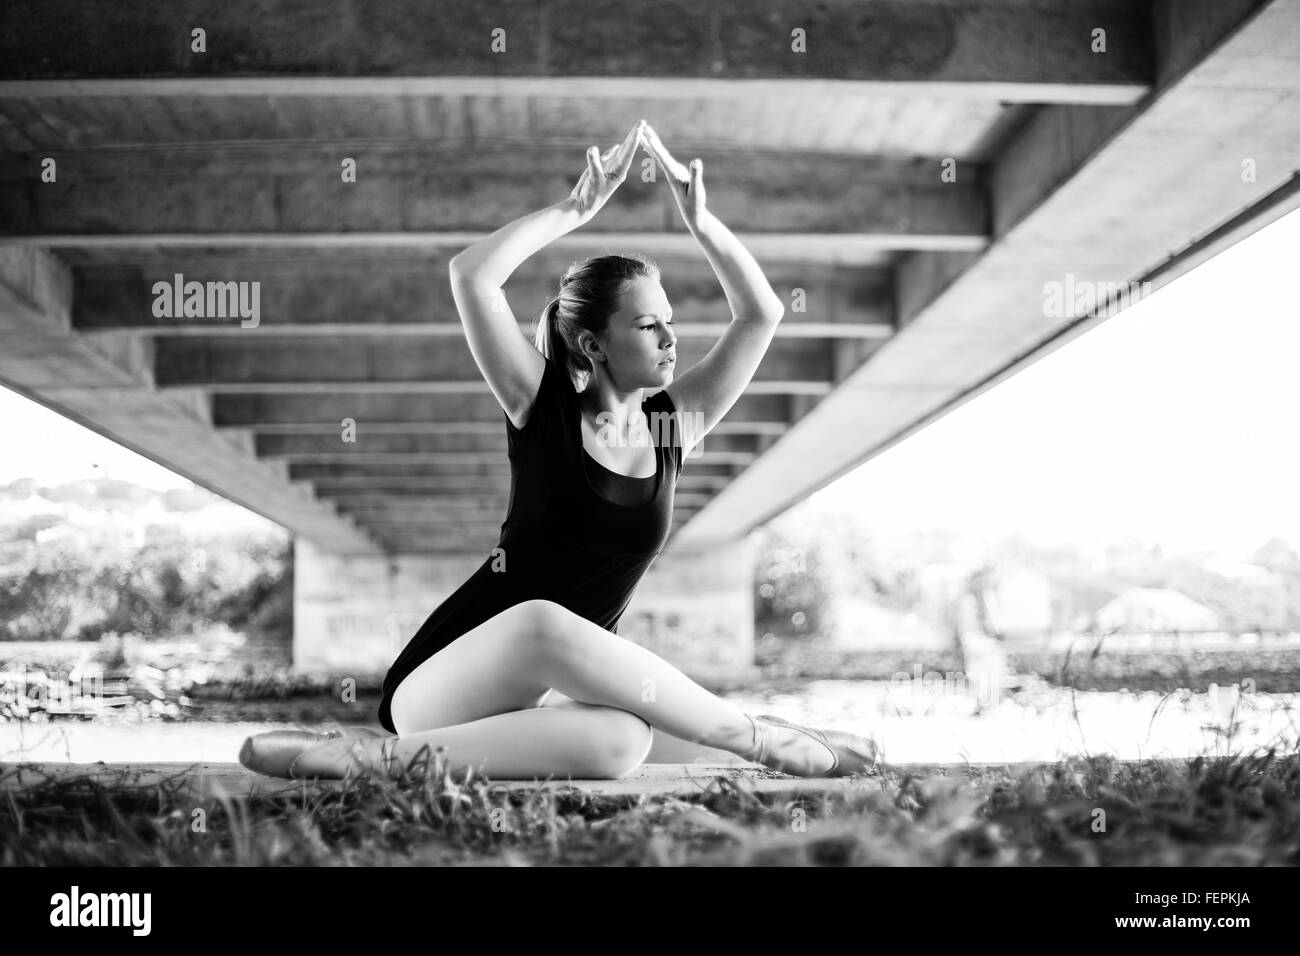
(639, 345)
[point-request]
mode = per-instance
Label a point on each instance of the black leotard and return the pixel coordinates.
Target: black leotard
(616, 487)
(561, 540)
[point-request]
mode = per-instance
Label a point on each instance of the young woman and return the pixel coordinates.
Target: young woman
(520, 673)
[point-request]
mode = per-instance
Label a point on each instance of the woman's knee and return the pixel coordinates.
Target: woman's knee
(627, 740)
(544, 621)
(541, 612)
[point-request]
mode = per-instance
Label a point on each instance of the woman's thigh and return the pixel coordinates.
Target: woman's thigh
(483, 672)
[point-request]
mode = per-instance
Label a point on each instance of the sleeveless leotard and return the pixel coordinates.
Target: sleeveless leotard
(575, 532)
(619, 488)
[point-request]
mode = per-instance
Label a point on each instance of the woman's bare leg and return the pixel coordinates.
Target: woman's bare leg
(665, 748)
(586, 663)
(511, 662)
(577, 741)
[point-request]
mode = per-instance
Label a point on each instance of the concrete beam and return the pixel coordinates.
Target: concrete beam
(474, 458)
(449, 414)
(452, 487)
(440, 542)
(1023, 51)
(489, 447)
(1097, 198)
(107, 388)
(854, 249)
(363, 473)
(445, 199)
(444, 366)
(765, 429)
(458, 504)
(385, 519)
(346, 295)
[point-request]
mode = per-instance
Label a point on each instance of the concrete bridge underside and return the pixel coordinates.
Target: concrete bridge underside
(910, 184)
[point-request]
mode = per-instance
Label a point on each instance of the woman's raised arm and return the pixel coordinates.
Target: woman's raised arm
(510, 363)
(707, 390)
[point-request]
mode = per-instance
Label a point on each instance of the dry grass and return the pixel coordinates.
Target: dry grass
(1091, 811)
(1237, 810)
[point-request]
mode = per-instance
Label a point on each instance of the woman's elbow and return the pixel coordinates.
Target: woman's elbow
(773, 311)
(464, 272)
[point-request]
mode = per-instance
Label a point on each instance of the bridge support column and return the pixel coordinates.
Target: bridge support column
(353, 613)
(695, 609)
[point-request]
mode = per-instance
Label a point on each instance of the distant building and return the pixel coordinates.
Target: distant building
(1277, 553)
(1156, 609)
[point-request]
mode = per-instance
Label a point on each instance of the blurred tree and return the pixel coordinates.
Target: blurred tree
(38, 594)
(793, 595)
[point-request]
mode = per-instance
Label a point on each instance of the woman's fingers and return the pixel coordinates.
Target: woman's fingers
(609, 163)
(605, 171)
(594, 165)
(697, 183)
(627, 149)
(582, 181)
(665, 159)
(617, 160)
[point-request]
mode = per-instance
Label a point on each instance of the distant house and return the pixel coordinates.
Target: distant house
(1156, 609)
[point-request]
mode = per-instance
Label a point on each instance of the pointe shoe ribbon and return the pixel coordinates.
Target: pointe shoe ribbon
(853, 753)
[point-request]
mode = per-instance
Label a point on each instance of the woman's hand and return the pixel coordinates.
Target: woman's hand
(687, 184)
(604, 174)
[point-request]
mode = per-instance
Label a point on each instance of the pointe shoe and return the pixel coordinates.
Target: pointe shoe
(277, 752)
(852, 753)
(357, 730)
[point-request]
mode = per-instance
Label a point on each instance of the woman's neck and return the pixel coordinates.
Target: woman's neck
(614, 414)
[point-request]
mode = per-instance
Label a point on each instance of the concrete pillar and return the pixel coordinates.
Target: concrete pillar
(354, 613)
(695, 609)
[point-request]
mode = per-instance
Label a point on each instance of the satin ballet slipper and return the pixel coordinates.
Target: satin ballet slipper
(357, 731)
(277, 753)
(851, 753)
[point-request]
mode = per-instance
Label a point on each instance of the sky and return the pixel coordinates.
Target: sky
(44, 445)
(1173, 422)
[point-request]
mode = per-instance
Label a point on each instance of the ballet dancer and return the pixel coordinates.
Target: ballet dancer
(521, 674)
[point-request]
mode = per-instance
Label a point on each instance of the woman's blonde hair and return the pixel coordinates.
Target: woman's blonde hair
(590, 292)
